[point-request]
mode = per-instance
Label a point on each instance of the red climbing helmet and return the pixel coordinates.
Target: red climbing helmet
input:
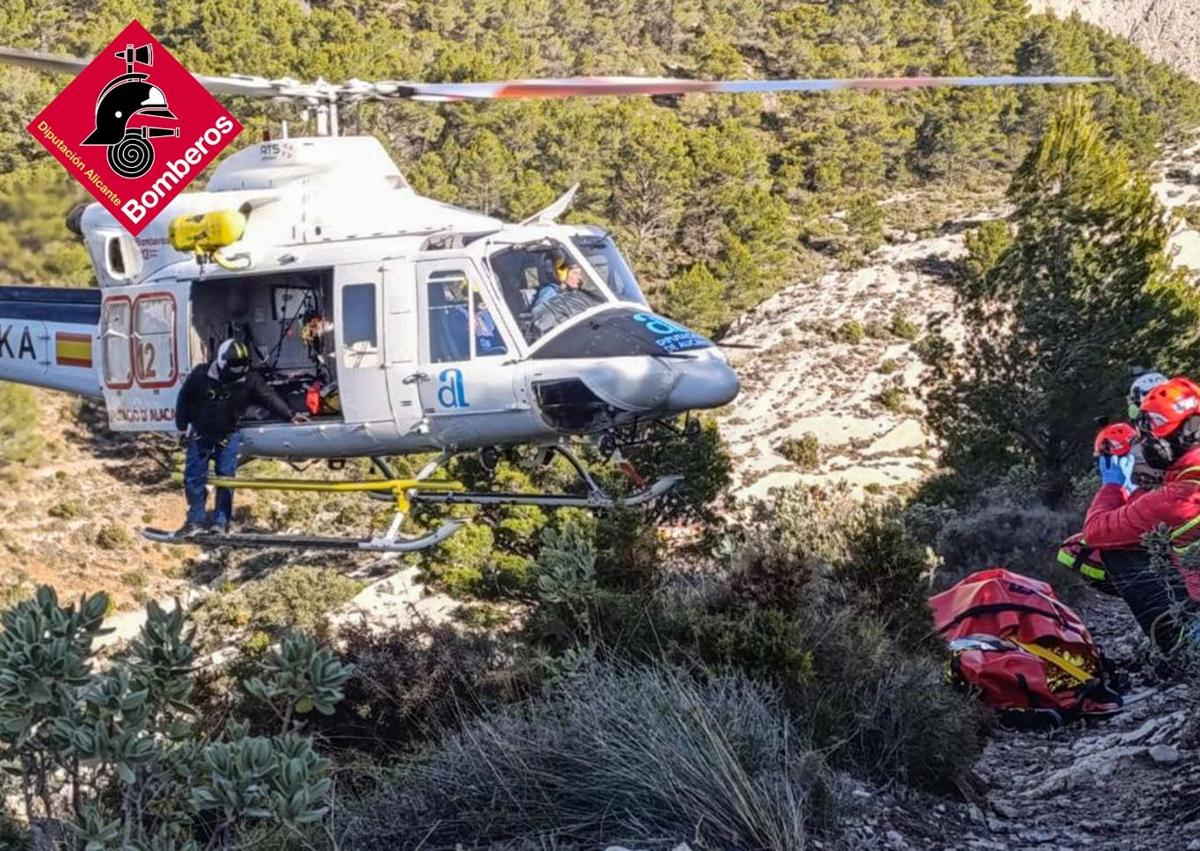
(1170, 405)
(1116, 440)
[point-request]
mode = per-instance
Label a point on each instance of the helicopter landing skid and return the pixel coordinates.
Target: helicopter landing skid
(267, 540)
(595, 499)
(399, 491)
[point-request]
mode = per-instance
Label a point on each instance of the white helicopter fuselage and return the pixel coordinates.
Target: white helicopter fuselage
(422, 315)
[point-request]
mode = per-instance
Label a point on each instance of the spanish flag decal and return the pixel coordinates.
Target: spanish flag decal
(72, 349)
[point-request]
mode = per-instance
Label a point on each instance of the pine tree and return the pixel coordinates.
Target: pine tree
(1055, 319)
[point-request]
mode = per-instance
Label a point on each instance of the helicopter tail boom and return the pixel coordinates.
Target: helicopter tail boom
(47, 337)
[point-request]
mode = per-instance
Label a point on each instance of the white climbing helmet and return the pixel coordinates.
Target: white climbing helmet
(1142, 385)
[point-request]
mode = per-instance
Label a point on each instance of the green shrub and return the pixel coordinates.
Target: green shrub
(851, 331)
(134, 725)
(135, 580)
(864, 218)
(112, 536)
(1024, 538)
(934, 349)
(628, 548)
(892, 398)
(1190, 214)
(986, 244)
(843, 587)
(890, 366)
(610, 756)
(293, 598)
(68, 509)
(803, 451)
(566, 586)
(903, 327)
(407, 683)
(701, 457)
(823, 598)
(21, 439)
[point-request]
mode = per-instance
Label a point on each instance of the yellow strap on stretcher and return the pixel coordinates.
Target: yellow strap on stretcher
(1058, 661)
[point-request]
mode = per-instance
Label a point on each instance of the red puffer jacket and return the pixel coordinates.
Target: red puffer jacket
(1117, 520)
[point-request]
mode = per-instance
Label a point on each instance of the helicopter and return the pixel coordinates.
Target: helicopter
(399, 323)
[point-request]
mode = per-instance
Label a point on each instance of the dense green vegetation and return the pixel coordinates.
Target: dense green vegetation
(621, 706)
(718, 200)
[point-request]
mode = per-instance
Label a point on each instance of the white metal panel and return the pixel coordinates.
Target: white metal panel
(400, 321)
(361, 356)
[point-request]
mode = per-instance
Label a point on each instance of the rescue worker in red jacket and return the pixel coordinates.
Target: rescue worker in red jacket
(1162, 602)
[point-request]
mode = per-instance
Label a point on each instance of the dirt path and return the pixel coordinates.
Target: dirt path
(1132, 782)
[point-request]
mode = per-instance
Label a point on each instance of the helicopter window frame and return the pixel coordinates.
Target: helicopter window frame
(593, 286)
(356, 355)
(145, 355)
(110, 334)
(617, 265)
(474, 300)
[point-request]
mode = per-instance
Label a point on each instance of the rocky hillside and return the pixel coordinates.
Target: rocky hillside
(829, 394)
(1167, 30)
(831, 391)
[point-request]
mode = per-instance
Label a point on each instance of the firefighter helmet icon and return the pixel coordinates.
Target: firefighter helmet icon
(130, 153)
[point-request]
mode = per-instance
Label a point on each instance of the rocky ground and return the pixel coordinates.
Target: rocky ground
(1130, 782)
(1167, 30)
(830, 367)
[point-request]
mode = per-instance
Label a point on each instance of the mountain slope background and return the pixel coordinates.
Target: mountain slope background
(1167, 30)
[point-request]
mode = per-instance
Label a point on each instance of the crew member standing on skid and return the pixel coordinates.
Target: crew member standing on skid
(213, 398)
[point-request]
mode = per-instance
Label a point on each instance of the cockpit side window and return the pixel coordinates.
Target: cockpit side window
(460, 324)
(544, 286)
(602, 253)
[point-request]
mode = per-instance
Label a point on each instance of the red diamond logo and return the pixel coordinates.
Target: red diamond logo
(134, 127)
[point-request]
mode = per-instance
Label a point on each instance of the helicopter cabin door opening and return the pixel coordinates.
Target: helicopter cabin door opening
(288, 322)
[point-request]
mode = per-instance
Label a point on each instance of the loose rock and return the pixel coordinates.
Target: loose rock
(1164, 755)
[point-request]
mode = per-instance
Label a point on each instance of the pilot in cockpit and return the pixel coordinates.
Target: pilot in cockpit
(559, 301)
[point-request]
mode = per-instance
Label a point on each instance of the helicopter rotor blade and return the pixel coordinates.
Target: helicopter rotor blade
(284, 88)
(602, 86)
(352, 91)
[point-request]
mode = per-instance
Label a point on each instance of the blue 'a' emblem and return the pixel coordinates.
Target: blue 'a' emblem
(452, 393)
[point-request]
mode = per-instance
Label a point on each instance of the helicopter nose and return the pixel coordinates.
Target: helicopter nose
(703, 382)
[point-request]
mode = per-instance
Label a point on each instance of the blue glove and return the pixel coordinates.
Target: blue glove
(1116, 470)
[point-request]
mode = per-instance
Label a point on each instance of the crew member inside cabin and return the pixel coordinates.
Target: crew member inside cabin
(316, 332)
(213, 398)
(1121, 514)
(553, 283)
(557, 303)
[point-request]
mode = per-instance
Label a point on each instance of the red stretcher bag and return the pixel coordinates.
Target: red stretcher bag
(1021, 649)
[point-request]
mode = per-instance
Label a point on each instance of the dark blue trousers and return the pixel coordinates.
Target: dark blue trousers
(223, 454)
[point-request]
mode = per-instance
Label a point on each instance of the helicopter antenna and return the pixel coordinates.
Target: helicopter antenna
(549, 214)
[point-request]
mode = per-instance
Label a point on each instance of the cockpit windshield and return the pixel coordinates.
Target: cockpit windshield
(544, 286)
(600, 251)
